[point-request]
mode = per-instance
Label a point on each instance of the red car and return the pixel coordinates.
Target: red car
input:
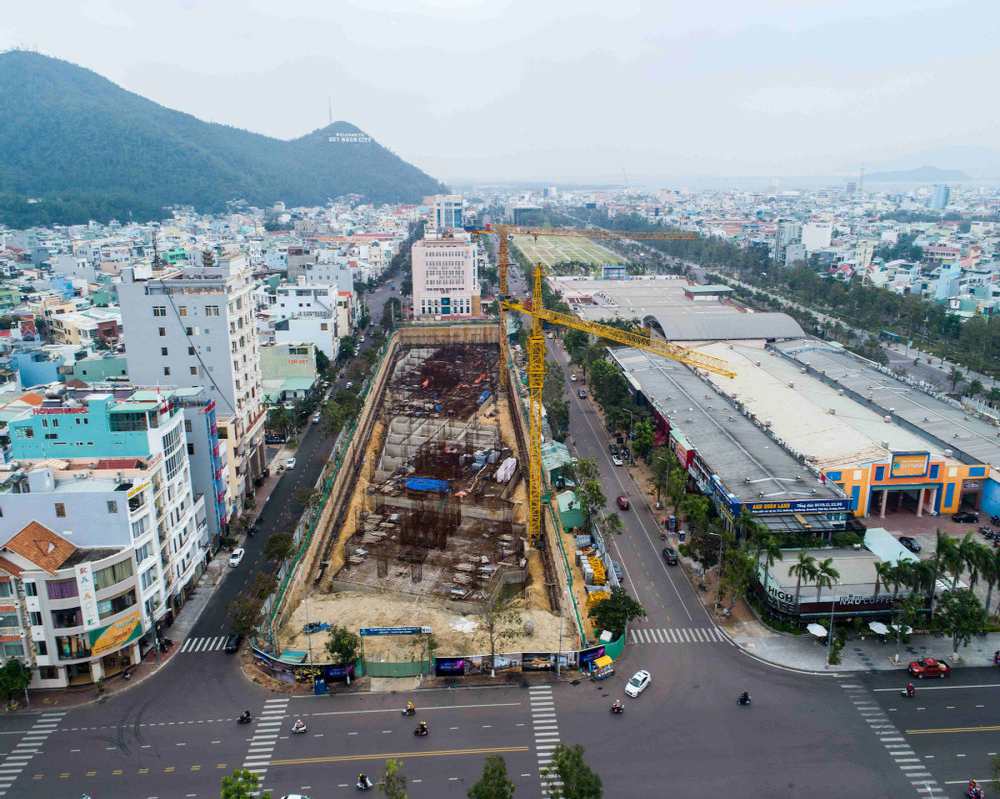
(623, 502)
(929, 667)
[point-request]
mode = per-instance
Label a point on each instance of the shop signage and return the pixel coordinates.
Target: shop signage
(115, 636)
(971, 485)
(88, 595)
(792, 506)
(844, 603)
(909, 464)
(396, 631)
(137, 490)
(588, 656)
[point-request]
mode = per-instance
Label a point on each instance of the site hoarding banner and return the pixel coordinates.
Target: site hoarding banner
(116, 635)
(538, 661)
(449, 667)
(909, 464)
(88, 595)
(766, 508)
(588, 656)
(395, 631)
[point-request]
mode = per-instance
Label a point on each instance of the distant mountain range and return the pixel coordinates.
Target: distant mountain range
(922, 174)
(74, 146)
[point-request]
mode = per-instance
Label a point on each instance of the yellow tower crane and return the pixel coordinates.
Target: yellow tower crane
(536, 376)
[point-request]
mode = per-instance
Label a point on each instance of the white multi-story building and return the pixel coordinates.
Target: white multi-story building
(447, 212)
(816, 235)
(195, 327)
(445, 276)
(130, 524)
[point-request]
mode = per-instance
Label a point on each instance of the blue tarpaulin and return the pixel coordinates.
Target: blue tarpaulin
(427, 484)
(483, 397)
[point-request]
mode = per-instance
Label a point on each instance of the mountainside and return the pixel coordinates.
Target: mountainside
(88, 149)
(922, 174)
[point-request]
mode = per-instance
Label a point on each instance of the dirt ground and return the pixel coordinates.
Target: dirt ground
(454, 633)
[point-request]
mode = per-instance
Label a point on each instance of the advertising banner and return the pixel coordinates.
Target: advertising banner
(793, 506)
(449, 667)
(88, 595)
(588, 656)
(115, 636)
(538, 661)
(395, 631)
(909, 464)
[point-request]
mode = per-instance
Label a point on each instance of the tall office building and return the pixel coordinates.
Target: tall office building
(447, 212)
(786, 233)
(195, 327)
(940, 197)
(816, 235)
(445, 276)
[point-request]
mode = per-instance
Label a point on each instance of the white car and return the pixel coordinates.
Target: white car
(617, 461)
(316, 418)
(236, 557)
(639, 682)
(289, 463)
(294, 796)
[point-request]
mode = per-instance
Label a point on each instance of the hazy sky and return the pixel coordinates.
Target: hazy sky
(560, 90)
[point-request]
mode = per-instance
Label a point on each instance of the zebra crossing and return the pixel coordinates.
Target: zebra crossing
(546, 730)
(902, 754)
(265, 737)
(206, 644)
(29, 746)
(676, 635)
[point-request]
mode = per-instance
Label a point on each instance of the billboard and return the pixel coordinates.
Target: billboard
(538, 661)
(767, 508)
(909, 464)
(588, 656)
(116, 635)
(88, 595)
(395, 631)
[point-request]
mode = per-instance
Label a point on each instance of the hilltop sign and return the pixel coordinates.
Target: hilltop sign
(350, 138)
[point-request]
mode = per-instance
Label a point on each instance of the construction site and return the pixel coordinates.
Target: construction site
(432, 527)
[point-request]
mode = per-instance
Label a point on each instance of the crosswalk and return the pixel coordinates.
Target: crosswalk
(265, 736)
(546, 730)
(25, 749)
(676, 635)
(209, 643)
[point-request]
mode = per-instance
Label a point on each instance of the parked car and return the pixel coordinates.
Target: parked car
(617, 461)
(316, 418)
(289, 463)
(929, 667)
(623, 502)
(638, 683)
(572, 377)
(233, 643)
(581, 393)
(613, 448)
(910, 543)
(670, 556)
(617, 568)
(965, 516)
(349, 385)
(236, 557)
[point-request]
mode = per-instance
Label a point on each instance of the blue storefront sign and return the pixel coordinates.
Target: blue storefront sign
(767, 508)
(395, 631)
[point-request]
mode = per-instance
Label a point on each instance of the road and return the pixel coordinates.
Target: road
(175, 735)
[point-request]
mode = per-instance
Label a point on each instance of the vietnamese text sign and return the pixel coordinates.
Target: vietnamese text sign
(88, 595)
(116, 635)
(395, 631)
(909, 464)
(795, 506)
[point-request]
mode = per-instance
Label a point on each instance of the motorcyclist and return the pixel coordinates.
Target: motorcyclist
(617, 706)
(974, 790)
(745, 698)
(363, 782)
(910, 690)
(422, 728)
(410, 708)
(298, 725)
(245, 715)
(996, 658)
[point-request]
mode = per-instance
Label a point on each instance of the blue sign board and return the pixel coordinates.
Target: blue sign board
(771, 507)
(395, 630)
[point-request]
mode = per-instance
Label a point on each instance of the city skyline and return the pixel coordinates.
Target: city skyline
(472, 91)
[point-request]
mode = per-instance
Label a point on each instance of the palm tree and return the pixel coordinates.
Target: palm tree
(767, 546)
(950, 557)
(805, 566)
(826, 575)
(885, 572)
(990, 568)
(976, 556)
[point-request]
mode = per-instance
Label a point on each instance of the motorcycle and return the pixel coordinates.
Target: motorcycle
(617, 709)
(245, 718)
(367, 785)
(975, 793)
(298, 729)
(908, 693)
(744, 700)
(420, 732)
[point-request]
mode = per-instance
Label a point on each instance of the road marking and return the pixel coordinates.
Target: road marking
(422, 709)
(953, 730)
(306, 761)
(940, 687)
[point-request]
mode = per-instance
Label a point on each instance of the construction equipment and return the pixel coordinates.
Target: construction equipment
(536, 376)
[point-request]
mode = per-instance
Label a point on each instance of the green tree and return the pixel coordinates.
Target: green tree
(244, 613)
(803, 569)
(578, 780)
(955, 376)
(279, 421)
(494, 783)
(611, 524)
(322, 362)
(974, 389)
(766, 547)
(242, 784)
(343, 646)
(576, 343)
(884, 571)
(616, 611)
(738, 575)
(825, 575)
(393, 783)
(556, 407)
(696, 508)
(348, 344)
(948, 557)
(907, 615)
(960, 616)
(661, 461)
(499, 617)
(14, 678)
(278, 547)
(392, 313)
(642, 441)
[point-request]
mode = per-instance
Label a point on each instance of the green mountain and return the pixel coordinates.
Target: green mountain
(80, 147)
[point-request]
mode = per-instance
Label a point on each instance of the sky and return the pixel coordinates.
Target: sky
(563, 90)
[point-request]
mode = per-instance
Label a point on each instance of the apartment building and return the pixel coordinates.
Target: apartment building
(445, 276)
(194, 327)
(308, 313)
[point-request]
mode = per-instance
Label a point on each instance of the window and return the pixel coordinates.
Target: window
(70, 617)
(13, 650)
(190, 350)
(190, 448)
(187, 425)
(159, 310)
(162, 330)
(144, 552)
(163, 351)
(72, 647)
(30, 589)
(48, 672)
(112, 506)
(148, 577)
(59, 589)
(194, 370)
(182, 310)
(9, 620)
(109, 607)
(211, 310)
(42, 648)
(6, 588)
(189, 331)
(35, 618)
(166, 371)
(110, 575)
(60, 510)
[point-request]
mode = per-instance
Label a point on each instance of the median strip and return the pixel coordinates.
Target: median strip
(490, 750)
(949, 730)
